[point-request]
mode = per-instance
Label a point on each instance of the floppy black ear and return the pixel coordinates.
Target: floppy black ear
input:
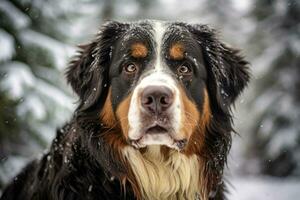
(88, 71)
(228, 69)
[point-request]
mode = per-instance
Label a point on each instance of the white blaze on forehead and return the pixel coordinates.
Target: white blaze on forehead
(156, 77)
(159, 31)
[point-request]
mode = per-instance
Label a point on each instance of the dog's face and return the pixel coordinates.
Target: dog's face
(158, 86)
(158, 81)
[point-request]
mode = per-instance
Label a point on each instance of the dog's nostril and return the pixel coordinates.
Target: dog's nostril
(164, 100)
(149, 100)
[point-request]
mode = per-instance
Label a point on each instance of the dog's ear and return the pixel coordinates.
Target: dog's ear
(88, 71)
(228, 69)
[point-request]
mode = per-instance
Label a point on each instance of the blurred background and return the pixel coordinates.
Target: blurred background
(38, 37)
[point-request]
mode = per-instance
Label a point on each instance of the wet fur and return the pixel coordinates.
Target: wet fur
(86, 160)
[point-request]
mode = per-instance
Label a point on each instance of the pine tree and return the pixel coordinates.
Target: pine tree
(275, 130)
(33, 95)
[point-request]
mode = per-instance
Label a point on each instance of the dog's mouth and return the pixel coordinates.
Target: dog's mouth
(158, 134)
(156, 129)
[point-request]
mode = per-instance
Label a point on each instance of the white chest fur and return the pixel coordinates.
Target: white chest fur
(176, 177)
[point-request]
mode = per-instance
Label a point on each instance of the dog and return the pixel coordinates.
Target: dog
(153, 120)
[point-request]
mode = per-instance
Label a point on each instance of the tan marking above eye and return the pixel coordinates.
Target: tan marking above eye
(139, 50)
(176, 51)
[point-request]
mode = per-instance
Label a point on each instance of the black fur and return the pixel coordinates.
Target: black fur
(82, 165)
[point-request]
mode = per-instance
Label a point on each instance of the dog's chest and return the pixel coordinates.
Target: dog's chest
(176, 177)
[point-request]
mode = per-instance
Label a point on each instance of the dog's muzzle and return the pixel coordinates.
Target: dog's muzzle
(155, 112)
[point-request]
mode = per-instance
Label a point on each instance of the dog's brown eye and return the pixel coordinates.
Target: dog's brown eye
(130, 68)
(184, 70)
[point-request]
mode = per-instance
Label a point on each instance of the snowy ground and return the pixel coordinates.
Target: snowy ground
(263, 188)
(254, 187)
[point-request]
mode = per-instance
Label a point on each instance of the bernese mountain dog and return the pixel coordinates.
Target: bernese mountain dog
(153, 120)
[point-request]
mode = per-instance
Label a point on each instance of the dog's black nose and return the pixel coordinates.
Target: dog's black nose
(156, 99)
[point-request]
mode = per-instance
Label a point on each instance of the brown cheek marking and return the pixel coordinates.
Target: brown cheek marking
(139, 50)
(206, 115)
(177, 51)
(190, 115)
(107, 115)
(202, 119)
(122, 114)
(116, 140)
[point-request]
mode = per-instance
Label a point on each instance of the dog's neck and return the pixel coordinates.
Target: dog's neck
(174, 177)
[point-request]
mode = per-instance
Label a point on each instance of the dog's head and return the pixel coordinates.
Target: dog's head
(161, 83)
